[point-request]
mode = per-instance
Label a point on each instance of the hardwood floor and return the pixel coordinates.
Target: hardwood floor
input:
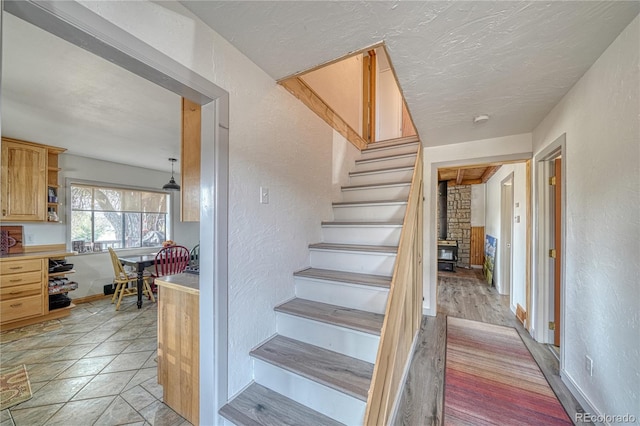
(464, 294)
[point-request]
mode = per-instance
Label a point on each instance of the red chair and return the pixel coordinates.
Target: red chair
(171, 260)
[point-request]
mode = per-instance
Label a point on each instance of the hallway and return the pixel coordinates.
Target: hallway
(464, 294)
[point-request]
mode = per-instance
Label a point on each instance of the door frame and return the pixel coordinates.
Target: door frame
(506, 265)
(80, 26)
(542, 280)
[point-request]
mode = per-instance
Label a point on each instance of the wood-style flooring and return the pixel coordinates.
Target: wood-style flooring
(464, 294)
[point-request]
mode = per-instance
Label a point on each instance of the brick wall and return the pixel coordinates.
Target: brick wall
(459, 221)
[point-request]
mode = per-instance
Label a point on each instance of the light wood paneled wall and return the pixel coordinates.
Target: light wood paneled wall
(190, 161)
(404, 310)
(477, 245)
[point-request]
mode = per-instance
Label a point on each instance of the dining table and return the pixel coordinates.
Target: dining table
(139, 262)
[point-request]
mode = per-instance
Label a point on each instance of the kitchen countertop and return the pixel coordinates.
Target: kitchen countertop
(37, 255)
(182, 282)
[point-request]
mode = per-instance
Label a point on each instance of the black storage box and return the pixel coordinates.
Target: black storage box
(109, 289)
(57, 301)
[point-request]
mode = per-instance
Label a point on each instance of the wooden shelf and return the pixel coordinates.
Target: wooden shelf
(59, 274)
(66, 308)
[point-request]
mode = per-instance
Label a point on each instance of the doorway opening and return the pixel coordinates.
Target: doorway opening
(549, 276)
(79, 25)
(494, 230)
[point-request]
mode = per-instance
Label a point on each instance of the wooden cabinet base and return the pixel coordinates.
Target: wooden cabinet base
(55, 314)
(178, 350)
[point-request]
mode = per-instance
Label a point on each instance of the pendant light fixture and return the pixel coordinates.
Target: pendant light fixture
(172, 185)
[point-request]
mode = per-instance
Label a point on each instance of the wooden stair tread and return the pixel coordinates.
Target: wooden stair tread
(260, 406)
(385, 157)
(376, 185)
(369, 203)
(337, 371)
(405, 140)
(345, 277)
(354, 247)
(372, 148)
(367, 322)
(396, 224)
(384, 170)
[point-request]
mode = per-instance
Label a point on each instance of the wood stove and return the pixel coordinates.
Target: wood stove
(447, 255)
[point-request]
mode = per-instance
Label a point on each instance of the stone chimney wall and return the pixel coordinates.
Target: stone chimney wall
(459, 221)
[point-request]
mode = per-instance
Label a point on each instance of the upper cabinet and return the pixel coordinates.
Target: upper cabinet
(29, 189)
(190, 161)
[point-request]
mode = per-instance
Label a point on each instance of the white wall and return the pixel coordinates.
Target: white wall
(275, 141)
(340, 86)
(388, 107)
(600, 116)
(515, 147)
(478, 194)
(519, 230)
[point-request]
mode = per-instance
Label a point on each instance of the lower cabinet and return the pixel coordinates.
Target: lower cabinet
(21, 289)
(178, 348)
(24, 291)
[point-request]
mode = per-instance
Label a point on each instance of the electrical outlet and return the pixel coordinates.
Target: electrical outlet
(588, 365)
(29, 238)
(264, 195)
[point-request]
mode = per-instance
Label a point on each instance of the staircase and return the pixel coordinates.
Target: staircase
(317, 369)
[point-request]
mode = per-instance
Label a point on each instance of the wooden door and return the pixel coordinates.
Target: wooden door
(24, 182)
(558, 247)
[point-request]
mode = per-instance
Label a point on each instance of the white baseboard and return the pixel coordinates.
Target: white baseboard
(427, 310)
(580, 396)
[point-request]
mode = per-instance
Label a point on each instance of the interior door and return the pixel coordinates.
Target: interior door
(557, 269)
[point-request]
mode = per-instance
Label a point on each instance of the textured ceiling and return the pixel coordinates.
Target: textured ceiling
(58, 94)
(511, 60)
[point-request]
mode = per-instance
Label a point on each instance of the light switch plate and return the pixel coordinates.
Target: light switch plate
(264, 195)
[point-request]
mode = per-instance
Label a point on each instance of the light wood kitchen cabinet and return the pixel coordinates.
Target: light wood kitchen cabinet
(24, 182)
(190, 161)
(29, 189)
(21, 289)
(179, 343)
(24, 289)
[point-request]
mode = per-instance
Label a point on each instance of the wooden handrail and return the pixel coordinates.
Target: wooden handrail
(403, 313)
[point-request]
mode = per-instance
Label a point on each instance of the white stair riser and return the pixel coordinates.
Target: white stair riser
(391, 150)
(337, 405)
(364, 213)
(369, 235)
(400, 192)
(353, 343)
(382, 177)
(385, 163)
(364, 263)
(354, 296)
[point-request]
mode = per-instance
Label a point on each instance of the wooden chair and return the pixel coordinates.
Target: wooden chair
(195, 256)
(171, 260)
(122, 280)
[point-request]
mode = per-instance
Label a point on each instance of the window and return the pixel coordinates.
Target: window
(103, 217)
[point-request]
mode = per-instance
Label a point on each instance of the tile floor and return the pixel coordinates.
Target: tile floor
(96, 367)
